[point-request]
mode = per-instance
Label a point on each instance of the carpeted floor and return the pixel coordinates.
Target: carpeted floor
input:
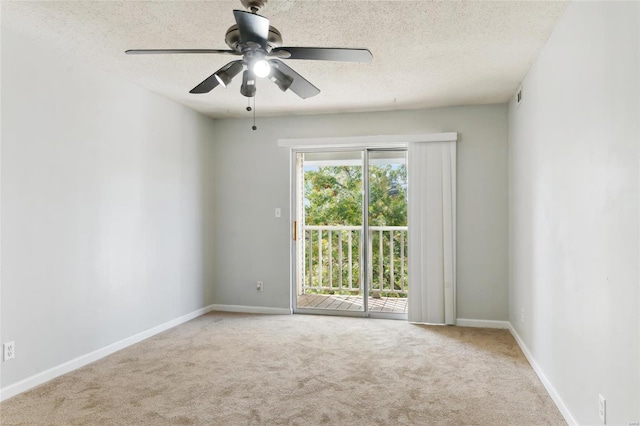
(241, 369)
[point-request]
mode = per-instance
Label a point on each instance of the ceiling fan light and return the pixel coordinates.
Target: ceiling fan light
(221, 81)
(225, 75)
(282, 80)
(248, 88)
(261, 68)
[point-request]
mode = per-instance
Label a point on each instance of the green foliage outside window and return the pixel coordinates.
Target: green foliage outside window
(333, 196)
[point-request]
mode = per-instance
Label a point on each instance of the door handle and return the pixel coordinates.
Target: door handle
(295, 230)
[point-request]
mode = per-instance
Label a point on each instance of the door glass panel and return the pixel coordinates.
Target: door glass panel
(387, 232)
(329, 241)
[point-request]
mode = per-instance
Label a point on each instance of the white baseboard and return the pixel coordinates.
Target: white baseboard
(547, 384)
(251, 309)
(81, 361)
(462, 322)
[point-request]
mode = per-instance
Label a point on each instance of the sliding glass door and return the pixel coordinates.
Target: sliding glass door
(350, 233)
(329, 226)
(386, 224)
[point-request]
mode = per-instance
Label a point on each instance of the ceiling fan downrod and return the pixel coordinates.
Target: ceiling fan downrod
(253, 5)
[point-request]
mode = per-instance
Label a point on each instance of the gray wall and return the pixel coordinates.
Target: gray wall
(103, 209)
(251, 176)
(573, 173)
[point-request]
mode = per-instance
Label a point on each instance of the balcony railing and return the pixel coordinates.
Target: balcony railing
(333, 258)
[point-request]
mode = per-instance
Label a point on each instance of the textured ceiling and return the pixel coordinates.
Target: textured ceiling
(425, 53)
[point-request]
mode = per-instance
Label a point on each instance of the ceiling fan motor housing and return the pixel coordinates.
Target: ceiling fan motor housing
(232, 38)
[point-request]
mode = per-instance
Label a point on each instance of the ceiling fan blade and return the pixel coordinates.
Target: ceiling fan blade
(300, 86)
(252, 27)
(227, 72)
(177, 51)
(323, 54)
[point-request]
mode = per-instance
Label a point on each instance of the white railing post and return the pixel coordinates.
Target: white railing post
(350, 260)
(340, 259)
(391, 256)
(310, 258)
(380, 262)
(320, 258)
(369, 262)
(402, 260)
(330, 233)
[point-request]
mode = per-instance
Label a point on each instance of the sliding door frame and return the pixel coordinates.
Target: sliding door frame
(367, 232)
(294, 238)
(364, 239)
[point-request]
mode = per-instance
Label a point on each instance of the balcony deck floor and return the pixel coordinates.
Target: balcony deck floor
(337, 302)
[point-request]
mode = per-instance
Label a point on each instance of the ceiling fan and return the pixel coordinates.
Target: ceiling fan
(260, 46)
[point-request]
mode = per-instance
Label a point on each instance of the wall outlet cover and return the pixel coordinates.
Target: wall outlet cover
(9, 349)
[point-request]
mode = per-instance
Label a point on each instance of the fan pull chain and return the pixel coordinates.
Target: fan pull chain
(252, 109)
(254, 114)
(249, 109)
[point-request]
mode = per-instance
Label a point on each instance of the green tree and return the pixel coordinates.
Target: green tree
(388, 196)
(333, 196)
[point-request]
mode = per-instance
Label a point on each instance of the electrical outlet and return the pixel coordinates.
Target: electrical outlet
(9, 350)
(259, 285)
(522, 315)
(602, 409)
(278, 212)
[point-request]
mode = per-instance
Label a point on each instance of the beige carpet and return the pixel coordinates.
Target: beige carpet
(240, 369)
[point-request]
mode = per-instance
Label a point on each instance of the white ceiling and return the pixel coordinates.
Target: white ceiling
(425, 53)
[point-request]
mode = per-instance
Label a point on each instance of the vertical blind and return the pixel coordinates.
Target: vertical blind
(432, 232)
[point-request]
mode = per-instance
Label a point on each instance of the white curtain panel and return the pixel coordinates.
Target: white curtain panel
(432, 232)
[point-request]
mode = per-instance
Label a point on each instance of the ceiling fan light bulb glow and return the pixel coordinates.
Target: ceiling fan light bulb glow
(261, 68)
